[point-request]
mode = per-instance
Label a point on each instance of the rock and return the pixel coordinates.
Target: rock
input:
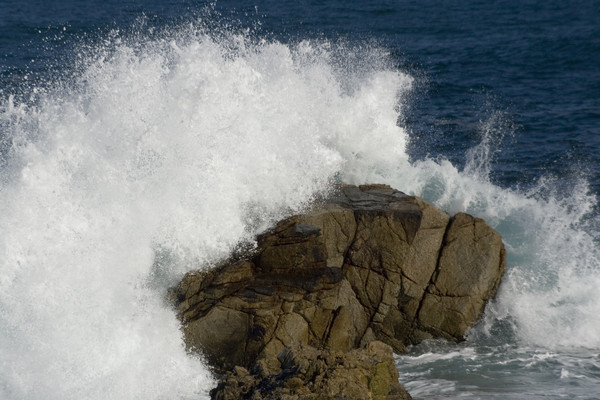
(467, 276)
(308, 373)
(368, 265)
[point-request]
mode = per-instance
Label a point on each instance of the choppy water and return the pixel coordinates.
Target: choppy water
(140, 140)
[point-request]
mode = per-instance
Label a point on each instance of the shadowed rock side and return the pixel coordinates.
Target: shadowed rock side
(369, 264)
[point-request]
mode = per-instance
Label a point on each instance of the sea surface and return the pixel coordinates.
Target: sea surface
(142, 139)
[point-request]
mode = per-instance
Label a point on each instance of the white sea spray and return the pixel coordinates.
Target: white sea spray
(160, 156)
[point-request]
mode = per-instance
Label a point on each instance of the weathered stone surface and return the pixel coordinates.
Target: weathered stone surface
(467, 276)
(369, 264)
(307, 373)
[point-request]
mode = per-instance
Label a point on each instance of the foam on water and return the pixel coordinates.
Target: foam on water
(435, 370)
(550, 231)
(540, 337)
(549, 293)
(158, 157)
(164, 154)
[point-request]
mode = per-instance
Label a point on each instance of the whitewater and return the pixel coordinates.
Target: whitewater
(164, 152)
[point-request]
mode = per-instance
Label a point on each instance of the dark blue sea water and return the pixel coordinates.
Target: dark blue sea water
(534, 64)
(185, 127)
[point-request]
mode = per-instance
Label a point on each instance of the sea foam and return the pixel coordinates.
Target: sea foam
(158, 156)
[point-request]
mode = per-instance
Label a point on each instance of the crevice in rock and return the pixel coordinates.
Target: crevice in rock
(310, 328)
(396, 235)
(334, 315)
(435, 272)
(351, 242)
(403, 275)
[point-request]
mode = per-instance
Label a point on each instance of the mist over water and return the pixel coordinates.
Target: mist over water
(165, 151)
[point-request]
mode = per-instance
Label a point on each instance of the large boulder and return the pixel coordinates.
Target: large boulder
(368, 264)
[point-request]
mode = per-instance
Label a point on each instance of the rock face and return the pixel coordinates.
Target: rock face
(309, 373)
(370, 264)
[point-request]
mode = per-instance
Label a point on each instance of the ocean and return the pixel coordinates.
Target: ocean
(142, 139)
